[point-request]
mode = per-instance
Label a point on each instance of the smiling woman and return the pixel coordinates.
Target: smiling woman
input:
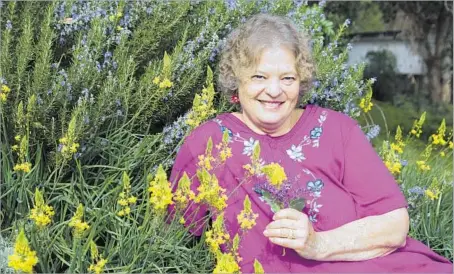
(306, 190)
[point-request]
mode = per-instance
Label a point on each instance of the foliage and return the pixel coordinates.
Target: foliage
(96, 108)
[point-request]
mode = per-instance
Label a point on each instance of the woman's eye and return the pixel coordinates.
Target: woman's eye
(258, 77)
(289, 79)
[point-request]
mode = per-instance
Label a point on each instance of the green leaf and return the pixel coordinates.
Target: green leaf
(275, 207)
(298, 204)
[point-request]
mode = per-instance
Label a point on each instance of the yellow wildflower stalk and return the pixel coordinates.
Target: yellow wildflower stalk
(126, 199)
(202, 106)
(209, 190)
(98, 262)
(4, 91)
(366, 102)
(183, 194)
(23, 259)
(439, 138)
(41, 214)
(417, 125)
(275, 174)
(258, 268)
(225, 263)
(160, 191)
(77, 223)
(217, 235)
(246, 218)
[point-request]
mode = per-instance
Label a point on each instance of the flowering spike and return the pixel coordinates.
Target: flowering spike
(93, 250)
(225, 137)
(256, 152)
(258, 268)
(126, 181)
(209, 147)
(23, 259)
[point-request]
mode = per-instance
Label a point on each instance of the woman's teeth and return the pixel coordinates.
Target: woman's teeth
(271, 105)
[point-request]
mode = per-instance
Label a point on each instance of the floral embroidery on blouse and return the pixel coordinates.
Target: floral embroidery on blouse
(295, 152)
(313, 189)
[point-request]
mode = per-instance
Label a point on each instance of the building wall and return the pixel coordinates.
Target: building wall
(408, 62)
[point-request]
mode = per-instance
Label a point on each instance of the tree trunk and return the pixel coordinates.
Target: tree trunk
(434, 75)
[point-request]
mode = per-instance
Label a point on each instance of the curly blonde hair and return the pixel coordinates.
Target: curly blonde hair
(245, 44)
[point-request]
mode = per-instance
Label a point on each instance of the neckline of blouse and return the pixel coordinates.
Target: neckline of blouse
(242, 127)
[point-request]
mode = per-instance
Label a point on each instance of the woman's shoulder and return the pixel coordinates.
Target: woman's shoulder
(336, 117)
(200, 135)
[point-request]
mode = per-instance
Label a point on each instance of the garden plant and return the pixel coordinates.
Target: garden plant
(96, 98)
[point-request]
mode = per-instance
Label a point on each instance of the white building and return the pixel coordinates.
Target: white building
(408, 61)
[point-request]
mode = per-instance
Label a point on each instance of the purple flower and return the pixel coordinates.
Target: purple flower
(373, 132)
(8, 25)
(347, 22)
(416, 190)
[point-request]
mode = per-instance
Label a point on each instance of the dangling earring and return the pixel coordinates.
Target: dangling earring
(234, 99)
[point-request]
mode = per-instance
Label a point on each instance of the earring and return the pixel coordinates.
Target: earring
(234, 99)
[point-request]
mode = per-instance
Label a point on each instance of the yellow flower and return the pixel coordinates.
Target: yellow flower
(74, 147)
(132, 200)
(442, 154)
(5, 89)
(258, 268)
(17, 138)
(183, 194)
(123, 202)
(450, 145)
(15, 147)
(23, 259)
(156, 80)
(119, 28)
(226, 263)
(209, 190)
(3, 97)
(422, 165)
(25, 167)
(160, 191)
(275, 174)
(433, 195)
(246, 218)
(397, 148)
(366, 105)
(217, 235)
(42, 214)
(100, 261)
(182, 221)
(76, 222)
(166, 83)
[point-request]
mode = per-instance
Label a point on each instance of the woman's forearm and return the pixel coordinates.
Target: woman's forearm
(363, 239)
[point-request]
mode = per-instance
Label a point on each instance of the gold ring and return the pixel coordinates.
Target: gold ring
(284, 235)
(292, 234)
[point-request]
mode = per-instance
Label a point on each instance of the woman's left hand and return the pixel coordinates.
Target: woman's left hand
(292, 229)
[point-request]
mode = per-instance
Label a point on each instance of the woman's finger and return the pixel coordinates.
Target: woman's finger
(285, 233)
(285, 223)
(295, 244)
(289, 213)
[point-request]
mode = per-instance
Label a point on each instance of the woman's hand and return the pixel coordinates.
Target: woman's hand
(292, 229)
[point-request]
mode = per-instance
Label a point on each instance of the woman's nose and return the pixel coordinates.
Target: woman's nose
(274, 88)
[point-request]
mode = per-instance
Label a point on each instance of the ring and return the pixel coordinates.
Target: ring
(292, 234)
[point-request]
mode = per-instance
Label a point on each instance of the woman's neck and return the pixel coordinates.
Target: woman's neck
(274, 130)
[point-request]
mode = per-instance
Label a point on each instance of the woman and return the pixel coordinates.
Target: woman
(354, 217)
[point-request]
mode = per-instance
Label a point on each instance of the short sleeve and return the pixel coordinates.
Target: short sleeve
(366, 177)
(194, 214)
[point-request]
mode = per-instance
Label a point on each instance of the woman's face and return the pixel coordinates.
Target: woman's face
(270, 94)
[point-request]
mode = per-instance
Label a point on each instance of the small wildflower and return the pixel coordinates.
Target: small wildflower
(23, 259)
(156, 80)
(160, 190)
(422, 165)
(366, 103)
(258, 268)
(25, 167)
(41, 214)
(433, 195)
(183, 194)
(217, 235)
(247, 217)
(76, 222)
(275, 174)
(226, 263)
(97, 267)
